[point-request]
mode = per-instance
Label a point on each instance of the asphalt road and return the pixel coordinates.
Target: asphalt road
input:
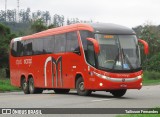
(147, 97)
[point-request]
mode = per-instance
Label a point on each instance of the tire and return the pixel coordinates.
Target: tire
(24, 86)
(32, 88)
(61, 91)
(118, 93)
(80, 88)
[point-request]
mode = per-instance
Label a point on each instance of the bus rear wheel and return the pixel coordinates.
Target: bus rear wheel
(24, 86)
(118, 93)
(32, 88)
(80, 88)
(61, 91)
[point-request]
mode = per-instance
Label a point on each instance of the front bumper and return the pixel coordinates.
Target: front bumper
(102, 82)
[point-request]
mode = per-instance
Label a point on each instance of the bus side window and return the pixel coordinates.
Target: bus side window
(37, 46)
(28, 47)
(87, 46)
(90, 53)
(60, 43)
(48, 45)
(14, 49)
(72, 43)
(20, 48)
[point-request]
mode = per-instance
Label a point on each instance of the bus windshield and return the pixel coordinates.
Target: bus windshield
(118, 52)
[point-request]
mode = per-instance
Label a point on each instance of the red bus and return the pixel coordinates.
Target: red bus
(86, 57)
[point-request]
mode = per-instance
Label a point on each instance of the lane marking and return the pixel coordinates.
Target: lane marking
(101, 100)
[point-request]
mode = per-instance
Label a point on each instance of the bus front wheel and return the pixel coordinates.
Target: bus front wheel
(118, 93)
(80, 88)
(24, 86)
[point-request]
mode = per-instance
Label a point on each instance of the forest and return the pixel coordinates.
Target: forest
(28, 22)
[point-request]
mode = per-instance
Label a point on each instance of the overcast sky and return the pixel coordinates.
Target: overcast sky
(129, 13)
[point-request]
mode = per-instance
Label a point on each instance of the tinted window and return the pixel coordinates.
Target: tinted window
(88, 47)
(43, 45)
(20, 48)
(90, 54)
(72, 42)
(27, 47)
(84, 35)
(14, 49)
(60, 42)
(48, 44)
(37, 46)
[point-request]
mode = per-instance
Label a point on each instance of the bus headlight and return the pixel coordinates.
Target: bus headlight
(139, 77)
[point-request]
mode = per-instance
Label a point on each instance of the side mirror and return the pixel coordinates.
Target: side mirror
(95, 44)
(146, 48)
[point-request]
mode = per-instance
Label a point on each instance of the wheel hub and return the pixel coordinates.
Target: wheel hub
(24, 85)
(81, 86)
(31, 86)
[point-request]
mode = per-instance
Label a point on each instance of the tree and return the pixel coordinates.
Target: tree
(2, 16)
(5, 38)
(25, 15)
(11, 15)
(150, 34)
(51, 26)
(36, 15)
(76, 20)
(58, 20)
(38, 26)
(46, 17)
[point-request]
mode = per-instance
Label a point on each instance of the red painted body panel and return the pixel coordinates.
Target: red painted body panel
(94, 81)
(72, 65)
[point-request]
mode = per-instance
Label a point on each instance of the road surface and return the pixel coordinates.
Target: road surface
(147, 97)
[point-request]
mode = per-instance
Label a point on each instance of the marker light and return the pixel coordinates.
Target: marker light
(108, 36)
(100, 84)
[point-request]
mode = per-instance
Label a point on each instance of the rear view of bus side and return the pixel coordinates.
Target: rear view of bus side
(85, 57)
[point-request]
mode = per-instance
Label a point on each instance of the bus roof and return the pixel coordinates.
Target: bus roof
(108, 28)
(103, 28)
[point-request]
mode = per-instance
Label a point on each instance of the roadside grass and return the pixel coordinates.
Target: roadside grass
(139, 115)
(143, 115)
(151, 82)
(151, 78)
(5, 85)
